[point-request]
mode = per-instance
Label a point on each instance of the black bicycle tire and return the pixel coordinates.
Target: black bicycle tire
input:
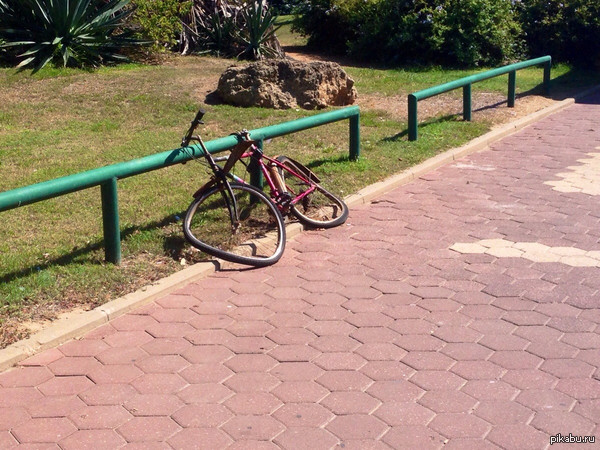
(227, 255)
(305, 219)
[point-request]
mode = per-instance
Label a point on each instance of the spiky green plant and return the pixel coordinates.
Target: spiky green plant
(229, 28)
(66, 32)
(259, 30)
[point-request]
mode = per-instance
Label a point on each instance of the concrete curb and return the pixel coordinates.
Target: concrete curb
(68, 328)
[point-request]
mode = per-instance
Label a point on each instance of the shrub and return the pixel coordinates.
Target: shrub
(568, 30)
(456, 32)
(160, 20)
(66, 32)
(326, 23)
(476, 32)
(397, 32)
(284, 6)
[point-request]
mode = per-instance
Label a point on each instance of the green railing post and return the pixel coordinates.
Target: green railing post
(413, 124)
(256, 176)
(110, 221)
(467, 108)
(466, 83)
(354, 130)
(512, 88)
(547, 68)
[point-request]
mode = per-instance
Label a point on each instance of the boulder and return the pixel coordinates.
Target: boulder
(284, 84)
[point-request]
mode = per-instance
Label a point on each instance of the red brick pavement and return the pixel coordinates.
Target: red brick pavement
(372, 335)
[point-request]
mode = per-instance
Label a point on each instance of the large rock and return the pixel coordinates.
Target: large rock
(284, 84)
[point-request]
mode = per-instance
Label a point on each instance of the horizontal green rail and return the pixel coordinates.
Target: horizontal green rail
(466, 83)
(106, 177)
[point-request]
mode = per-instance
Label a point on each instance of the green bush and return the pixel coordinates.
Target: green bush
(66, 32)
(160, 20)
(328, 24)
(455, 32)
(569, 30)
(396, 32)
(476, 32)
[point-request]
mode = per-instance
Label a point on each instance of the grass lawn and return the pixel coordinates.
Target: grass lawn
(59, 122)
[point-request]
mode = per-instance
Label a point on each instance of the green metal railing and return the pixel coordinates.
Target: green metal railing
(106, 177)
(466, 83)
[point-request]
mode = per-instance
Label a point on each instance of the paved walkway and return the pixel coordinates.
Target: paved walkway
(459, 311)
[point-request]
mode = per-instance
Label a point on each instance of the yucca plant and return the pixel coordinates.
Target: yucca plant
(67, 32)
(258, 32)
(232, 28)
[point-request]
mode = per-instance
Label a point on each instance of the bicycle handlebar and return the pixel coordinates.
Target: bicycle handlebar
(197, 121)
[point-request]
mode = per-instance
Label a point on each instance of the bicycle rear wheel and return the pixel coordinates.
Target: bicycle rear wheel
(320, 208)
(246, 228)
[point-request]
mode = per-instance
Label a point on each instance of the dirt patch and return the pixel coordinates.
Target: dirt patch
(485, 106)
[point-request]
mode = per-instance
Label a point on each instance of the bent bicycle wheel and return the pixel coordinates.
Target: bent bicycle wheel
(320, 208)
(242, 225)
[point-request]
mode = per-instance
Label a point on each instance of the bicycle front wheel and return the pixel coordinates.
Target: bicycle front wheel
(240, 225)
(319, 208)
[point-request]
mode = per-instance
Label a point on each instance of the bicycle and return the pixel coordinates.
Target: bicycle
(237, 222)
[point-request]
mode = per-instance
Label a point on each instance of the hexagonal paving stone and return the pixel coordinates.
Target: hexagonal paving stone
(61, 386)
(447, 401)
(404, 413)
(11, 417)
(204, 393)
(553, 422)
(339, 361)
(519, 436)
(159, 383)
(303, 415)
(204, 354)
(108, 394)
(350, 402)
(251, 363)
(202, 416)
(40, 430)
(344, 380)
(305, 439)
(251, 382)
(100, 417)
(299, 392)
(357, 426)
(165, 364)
(25, 377)
(92, 439)
(541, 400)
(253, 427)
(252, 403)
(56, 406)
(208, 438)
(153, 404)
(460, 425)
(395, 391)
(205, 373)
(148, 429)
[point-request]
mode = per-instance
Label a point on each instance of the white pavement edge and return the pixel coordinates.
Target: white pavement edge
(70, 327)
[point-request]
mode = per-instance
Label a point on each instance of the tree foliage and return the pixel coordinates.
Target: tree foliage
(569, 30)
(160, 20)
(454, 32)
(66, 32)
